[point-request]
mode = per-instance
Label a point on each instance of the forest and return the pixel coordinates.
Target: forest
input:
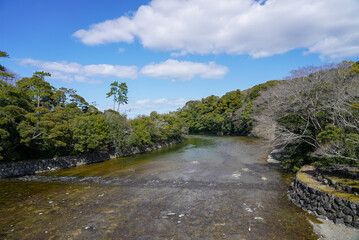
(38, 120)
(226, 115)
(313, 114)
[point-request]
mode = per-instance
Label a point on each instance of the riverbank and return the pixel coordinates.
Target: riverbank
(324, 227)
(22, 168)
(323, 201)
(206, 188)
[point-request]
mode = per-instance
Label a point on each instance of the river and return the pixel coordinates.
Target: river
(205, 188)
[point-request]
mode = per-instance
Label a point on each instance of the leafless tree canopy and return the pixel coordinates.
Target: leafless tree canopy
(318, 106)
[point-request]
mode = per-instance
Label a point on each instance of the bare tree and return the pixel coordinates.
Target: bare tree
(310, 102)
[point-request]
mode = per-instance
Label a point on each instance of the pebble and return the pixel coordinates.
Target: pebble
(90, 228)
(236, 174)
(249, 210)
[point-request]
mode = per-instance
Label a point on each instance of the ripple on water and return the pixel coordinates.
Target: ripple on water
(205, 188)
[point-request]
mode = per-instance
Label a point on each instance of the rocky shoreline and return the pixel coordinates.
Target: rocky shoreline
(322, 204)
(22, 168)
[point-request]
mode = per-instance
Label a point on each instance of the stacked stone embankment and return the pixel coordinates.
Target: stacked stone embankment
(22, 168)
(324, 205)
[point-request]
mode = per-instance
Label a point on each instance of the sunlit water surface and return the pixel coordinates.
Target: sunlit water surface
(205, 188)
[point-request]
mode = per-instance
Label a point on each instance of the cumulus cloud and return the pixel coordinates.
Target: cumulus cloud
(146, 106)
(258, 28)
(68, 72)
(142, 101)
(184, 70)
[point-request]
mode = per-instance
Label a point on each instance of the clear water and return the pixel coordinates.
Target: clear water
(205, 188)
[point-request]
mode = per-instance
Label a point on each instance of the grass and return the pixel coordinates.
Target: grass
(307, 178)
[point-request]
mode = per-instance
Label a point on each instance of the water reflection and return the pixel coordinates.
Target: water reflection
(205, 188)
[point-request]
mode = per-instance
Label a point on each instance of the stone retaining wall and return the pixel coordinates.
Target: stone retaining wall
(324, 205)
(22, 168)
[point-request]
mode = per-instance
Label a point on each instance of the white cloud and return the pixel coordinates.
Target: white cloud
(121, 50)
(146, 106)
(178, 101)
(69, 72)
(143, 101)
(184, 70)
(109, 31)
(161, 100)
(257, 28)
(175, 102)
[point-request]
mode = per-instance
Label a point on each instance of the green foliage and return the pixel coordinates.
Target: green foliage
(320, 120)
(89, 132)
(38, 120)
(13, 107)
(331, 133)
(255, 91)
(119, 130)
(147, 130)
(36, 87)
(212, 114)
(355, 67)
(243, 121)
(4, 74)
(230, 114)
(119, 93)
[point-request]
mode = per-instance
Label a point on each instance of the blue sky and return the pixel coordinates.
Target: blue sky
(172, 51)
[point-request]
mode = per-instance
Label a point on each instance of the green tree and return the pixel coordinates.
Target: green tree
(119, 130)
(119, 93)
(13, 107)
(89, 132)
(5, 75)
(36, 86)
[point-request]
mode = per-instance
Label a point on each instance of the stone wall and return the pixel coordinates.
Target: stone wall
(22, 168)
(324, 205)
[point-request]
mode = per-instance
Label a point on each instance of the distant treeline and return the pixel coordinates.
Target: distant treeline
(313, 115)
(38, 121)
(226, 115)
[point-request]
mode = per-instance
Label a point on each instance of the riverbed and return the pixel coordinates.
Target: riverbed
(207, 187)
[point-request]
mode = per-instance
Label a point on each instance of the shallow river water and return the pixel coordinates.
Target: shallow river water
(205, 188)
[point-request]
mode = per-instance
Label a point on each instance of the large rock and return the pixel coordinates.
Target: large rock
(347, 211)
(348, 219)
(321, 211)
(339, 201)
(338, 221)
